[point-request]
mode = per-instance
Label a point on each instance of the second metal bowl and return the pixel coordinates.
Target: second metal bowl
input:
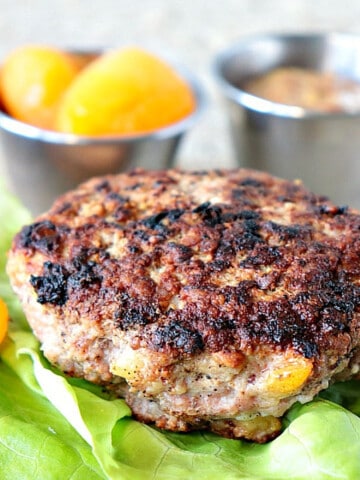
(322, 149)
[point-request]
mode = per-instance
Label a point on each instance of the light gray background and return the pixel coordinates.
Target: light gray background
(192, 31)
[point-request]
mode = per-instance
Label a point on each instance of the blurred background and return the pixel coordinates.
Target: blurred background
(190, 31)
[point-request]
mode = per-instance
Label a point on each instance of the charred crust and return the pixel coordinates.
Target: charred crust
(247, 237)
(178, 253)
(176, 336)
(65, 207)
(288, 232)
(210, 215)
(262, 256)
(174, 214)
(56, 282)
(51, 287)
(332, 209)
(131, 314)
(85, 273)
(267, 262)
(44, 236)
(277, 322)
(120, 199)
(241, 215)
(103, 185)
(155, 222)
(135, 186)
(251, 182)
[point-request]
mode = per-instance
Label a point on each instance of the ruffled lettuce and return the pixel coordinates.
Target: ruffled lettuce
(52, 427)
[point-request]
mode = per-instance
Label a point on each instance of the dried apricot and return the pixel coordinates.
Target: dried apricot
(33, 80)
(287, 379)
(4, 319)
(124, 91)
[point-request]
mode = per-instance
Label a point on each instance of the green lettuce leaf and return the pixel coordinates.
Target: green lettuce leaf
(52, 427)
(12, 216)
(36, 442)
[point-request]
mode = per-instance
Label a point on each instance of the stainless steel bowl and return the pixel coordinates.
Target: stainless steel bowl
(322, 149)
(42, 164)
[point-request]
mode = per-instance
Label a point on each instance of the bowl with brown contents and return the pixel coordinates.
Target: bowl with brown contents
(294, 108)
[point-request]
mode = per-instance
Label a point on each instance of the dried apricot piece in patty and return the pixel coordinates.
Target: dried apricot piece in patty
(33, 80)
(289, 378)
(124, 91)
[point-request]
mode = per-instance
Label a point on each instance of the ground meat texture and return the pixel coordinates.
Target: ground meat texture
(208, 300)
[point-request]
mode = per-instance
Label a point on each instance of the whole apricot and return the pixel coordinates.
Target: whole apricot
(126, 91)
(33, 80)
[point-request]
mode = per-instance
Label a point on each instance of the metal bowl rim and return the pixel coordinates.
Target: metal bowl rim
(262, 105)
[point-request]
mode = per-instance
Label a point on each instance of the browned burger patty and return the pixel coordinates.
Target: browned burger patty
(207, 299)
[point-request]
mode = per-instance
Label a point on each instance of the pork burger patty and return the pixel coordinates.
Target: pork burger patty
(208, 300)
